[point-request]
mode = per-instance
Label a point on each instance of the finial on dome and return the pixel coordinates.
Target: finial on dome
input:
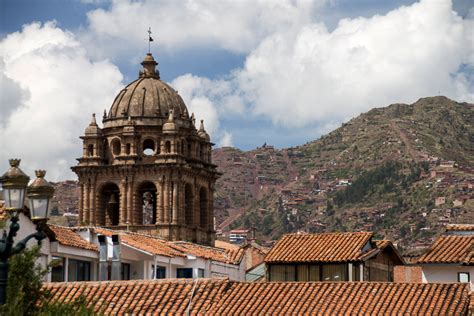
(105, 115)
(149, 67)
(201, 128)
(171, 116)
(93, 122)
(202, 132)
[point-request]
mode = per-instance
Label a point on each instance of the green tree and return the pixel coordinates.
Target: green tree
(26, 294)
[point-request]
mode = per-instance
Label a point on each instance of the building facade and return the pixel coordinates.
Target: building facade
(332, 257)
(451, 257)
(148, 169)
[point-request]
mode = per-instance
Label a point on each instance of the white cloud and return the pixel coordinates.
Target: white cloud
(314, 75)
(226, 140)
(61, 88)
(237, 26)
(201, 96)
(310, 76)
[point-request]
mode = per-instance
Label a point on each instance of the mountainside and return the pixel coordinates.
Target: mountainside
(402, 171)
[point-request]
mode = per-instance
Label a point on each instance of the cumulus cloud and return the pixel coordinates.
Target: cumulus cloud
(237, 26)
(314, 76)
(55, 87)
(201, 96)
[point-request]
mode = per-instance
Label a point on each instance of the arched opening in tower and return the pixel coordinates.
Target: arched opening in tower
(188, 205)
(147, 192)
(203, 207)
(109, 205)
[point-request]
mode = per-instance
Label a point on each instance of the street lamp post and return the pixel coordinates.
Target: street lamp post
(14, 183)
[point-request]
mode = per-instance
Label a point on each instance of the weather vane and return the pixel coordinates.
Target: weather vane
(150, 39)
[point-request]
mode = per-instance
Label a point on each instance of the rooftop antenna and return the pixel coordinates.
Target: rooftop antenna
(150, 39)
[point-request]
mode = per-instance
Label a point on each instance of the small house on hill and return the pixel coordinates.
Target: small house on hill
(332, 257)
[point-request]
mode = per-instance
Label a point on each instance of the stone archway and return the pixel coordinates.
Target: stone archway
(109, 208)
(147, 194)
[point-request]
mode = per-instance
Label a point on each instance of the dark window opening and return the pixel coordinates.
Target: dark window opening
(125, 271)
(116, 147)
(159, 271)
(109, 203)
(128, 149)
(147, 191)
(57, 271)
(90, 150)
(79, 270)
(167, 147)
(184, 273)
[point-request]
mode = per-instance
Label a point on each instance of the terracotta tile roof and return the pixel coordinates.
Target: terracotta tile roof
(159, 246)
(460, 227)
(234, 252)
(346, 298)
(451, 249)
(232, 256)
(143, 296)
(223, 297)
(150, 244)
(325, 247)
(68, 237)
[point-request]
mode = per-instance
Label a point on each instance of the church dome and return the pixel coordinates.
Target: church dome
(147, 96)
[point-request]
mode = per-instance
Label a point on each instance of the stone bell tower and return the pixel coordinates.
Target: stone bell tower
(148, 168)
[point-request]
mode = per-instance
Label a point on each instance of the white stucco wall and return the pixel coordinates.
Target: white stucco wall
(446, 273)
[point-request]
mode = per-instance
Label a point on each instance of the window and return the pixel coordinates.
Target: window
(90, 150)
(78, 270)
(464, 277)
(184, 273)
(148, 147)
(116, 146)
(125, 271)
(334, 272)
(57, 271)
(160, 272)
(200, 273)
(282, 272)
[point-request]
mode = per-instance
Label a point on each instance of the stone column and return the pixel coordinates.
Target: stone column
(175, 202)
(92, 207)
(181, 203)
(85, 202)
(129, 202)
(80, 205)
(210, 208)
(159, 202)
(197, 207)
(166, 202)
(123, 202)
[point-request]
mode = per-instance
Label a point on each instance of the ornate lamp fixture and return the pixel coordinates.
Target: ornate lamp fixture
(14, 184)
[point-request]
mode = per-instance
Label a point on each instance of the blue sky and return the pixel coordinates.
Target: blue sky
(281, 72)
